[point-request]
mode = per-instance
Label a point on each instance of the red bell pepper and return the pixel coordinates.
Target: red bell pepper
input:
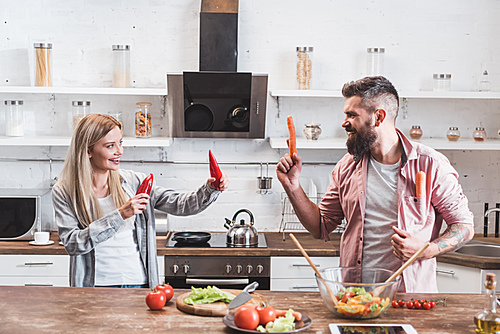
(214, 169)
(146, 185)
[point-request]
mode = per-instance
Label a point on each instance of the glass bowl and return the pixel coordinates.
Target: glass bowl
(361, 292)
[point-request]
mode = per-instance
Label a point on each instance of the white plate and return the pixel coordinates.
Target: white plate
(50, 242)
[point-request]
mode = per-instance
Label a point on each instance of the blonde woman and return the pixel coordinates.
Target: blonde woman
(108, 231)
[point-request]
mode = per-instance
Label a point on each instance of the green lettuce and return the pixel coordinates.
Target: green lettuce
(210, 294)
(281, 324)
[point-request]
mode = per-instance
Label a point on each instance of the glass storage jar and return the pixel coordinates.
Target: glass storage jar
(312, 131)
(118, 116)
(43, 64)
(80, 110)
(143, 120)
(442, 82)
(14, 118)
(375, 61)
(416, 132)
(304, 67)
(479, 134)
(484, 84)
(453, 134)
(121, 66)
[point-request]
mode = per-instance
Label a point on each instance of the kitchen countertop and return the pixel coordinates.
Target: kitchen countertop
(275, 243)
(107, 310)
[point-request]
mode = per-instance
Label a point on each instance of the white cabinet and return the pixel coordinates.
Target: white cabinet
(161, 269)
(34, 270)
(295, 273)
(452, 278)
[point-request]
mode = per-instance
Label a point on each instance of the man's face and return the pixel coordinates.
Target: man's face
(360, 127)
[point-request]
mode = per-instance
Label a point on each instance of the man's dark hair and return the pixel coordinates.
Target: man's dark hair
(376, 93)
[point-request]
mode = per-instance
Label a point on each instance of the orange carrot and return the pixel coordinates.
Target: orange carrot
(292, 139)
(420, 184)
(296, 315)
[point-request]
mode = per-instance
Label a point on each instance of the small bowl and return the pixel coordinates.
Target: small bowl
(336, 281)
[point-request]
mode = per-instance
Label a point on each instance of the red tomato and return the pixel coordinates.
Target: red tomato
(167, 289)
(426, 306)
(266, 314)
(347, 295)
(401, 303)
(432, 303)
(395, 304)
(416, 304)
(409, 304)
(156, 299)
(246, 317)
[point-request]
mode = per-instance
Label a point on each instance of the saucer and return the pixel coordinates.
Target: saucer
(61, 243)
(50, 242)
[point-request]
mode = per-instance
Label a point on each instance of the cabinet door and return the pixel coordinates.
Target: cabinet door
(458, 279)
(34, 265)
(293, 284)
(298, 267)
(62, 281)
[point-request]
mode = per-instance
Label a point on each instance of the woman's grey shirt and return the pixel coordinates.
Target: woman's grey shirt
(80, 242)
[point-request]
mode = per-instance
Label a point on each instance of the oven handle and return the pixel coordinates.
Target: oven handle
(217, 281)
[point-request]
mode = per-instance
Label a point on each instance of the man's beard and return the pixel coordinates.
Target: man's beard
(362, 141)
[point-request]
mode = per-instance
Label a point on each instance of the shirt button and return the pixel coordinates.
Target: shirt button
(359, 262)
(361, 239)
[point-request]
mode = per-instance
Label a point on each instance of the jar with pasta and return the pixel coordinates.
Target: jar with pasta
(304, 67)
(143, 120)
(80, 110)
(43, 64)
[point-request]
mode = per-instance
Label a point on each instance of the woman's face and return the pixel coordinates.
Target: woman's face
(105, 154)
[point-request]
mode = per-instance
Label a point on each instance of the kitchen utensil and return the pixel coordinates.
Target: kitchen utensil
(301, 325)
(217, 309)
(242, 234)
(191, 237)
(335, 280)
(299, 246)
(197, 117)
(265, 182)
(244, 295)
(238, 117)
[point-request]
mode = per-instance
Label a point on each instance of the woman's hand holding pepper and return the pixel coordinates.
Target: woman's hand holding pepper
(224, 182)
(134, 205)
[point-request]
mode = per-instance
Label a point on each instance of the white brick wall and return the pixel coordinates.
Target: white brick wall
(421, 38)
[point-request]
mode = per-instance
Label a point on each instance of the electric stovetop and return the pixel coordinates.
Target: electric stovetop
(218, 240)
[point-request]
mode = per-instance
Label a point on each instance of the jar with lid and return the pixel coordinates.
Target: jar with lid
(442, 82)
(484, 84)
(416, 132)
(143, 120)
(453, 134)
(118, 116)
(304, 67)
(43, 64)
(479, 134)
(14, 118)
(80, 110)
(121, 66)
(375, 61)
(312, 131)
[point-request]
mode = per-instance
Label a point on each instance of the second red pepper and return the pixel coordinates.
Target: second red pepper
(146, 185)
(214, 169)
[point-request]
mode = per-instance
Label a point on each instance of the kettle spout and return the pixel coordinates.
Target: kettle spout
(228, 224)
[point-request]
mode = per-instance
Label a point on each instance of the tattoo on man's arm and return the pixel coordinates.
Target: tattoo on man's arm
(454, 237)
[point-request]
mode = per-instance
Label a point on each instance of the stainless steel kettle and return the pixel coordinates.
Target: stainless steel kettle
(241, 235)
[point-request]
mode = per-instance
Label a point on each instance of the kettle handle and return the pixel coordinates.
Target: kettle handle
(243, 210)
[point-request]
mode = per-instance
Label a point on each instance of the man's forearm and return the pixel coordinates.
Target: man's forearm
(454, 237)
(306, 211)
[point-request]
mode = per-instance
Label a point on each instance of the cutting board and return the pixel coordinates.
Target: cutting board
(218, 309)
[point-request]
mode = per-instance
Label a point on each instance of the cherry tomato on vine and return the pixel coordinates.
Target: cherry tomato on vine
(416, 304)
(432, 303)
(426, 306)
(395, 304)
(401, 303)
(409, 304)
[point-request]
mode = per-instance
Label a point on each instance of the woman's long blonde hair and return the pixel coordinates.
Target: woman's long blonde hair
(76, 175)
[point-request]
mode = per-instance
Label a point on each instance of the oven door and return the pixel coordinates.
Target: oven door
(221, 283)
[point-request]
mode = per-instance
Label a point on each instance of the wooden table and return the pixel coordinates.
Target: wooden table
(99, 310)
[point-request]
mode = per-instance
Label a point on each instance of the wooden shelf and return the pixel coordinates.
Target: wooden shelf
(402, 94)
(436, 143)
(83, 90)
(65, 141)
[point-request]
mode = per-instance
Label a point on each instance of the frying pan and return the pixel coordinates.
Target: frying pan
(197, 117)
(238, 116)
(191, 237)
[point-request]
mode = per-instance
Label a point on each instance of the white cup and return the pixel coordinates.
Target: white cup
(42, 237)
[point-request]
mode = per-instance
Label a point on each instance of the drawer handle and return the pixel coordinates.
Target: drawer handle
(449, 272)
(38, 284)
(304, 265)
(48, 263)
(304, 287)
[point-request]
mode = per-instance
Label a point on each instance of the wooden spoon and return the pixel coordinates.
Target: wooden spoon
(299, 246)
(398, 272)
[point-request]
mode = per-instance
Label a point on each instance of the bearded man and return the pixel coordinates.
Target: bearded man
(374, 189)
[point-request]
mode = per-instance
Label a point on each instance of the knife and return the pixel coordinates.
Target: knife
(244, 295)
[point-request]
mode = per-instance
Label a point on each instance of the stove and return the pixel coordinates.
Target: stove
(218, 240)
(224, 271)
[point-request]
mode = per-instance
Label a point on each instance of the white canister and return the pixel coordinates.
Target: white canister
(375, 61)
(14, 118)
(121, 66)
